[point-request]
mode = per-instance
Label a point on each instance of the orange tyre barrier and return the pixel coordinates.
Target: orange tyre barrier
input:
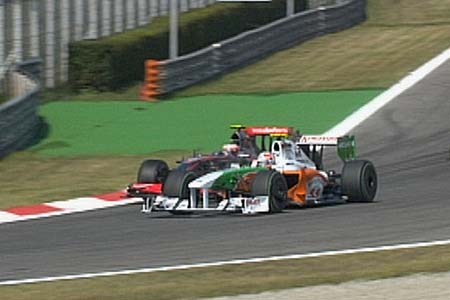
(151, 88)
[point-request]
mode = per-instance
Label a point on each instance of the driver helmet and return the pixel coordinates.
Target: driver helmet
(266, 159)
(231, 148)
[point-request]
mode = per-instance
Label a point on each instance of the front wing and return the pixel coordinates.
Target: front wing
(245, 205)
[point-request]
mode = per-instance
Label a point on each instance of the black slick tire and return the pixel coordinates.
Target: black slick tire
(176, 184)
(153, 171)
(273, 184)
(359, 181)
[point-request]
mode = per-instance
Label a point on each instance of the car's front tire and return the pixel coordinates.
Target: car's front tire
(176, 184)
(153, 171)
(273, 184)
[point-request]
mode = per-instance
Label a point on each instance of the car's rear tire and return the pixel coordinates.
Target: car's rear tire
(273, 184)
(153, 171)
(359, 181)
(176, 184)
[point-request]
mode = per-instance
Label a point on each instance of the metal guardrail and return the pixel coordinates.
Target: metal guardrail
(19, 120)
(251, 46)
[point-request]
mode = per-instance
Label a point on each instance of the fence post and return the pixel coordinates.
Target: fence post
(290, 8)
(149, 10)
(118, 16)
(154, 8)
(106, 17)
(322, 20)
(163, 9)
(64, 40)
(173, 29)
(93, 19)
(217, 58)
(131, 18)
(50, 43)
(2, 34)
(142, 12)
(78, 19)
(17, 30)
(34, 28)
(184, 5)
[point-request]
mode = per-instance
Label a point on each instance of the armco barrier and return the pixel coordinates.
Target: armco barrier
(251, 46)
(19, 120)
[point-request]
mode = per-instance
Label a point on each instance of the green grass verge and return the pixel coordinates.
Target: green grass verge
(408, 12)
(201, 123)
(240, 279)
(398, 37)
(31, 179)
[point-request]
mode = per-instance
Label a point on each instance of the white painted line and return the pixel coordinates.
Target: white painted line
(378, 102)
(225, 263)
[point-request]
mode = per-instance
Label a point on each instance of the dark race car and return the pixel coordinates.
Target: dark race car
(155, 177)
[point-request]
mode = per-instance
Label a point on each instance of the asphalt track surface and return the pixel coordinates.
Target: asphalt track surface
(408, 140)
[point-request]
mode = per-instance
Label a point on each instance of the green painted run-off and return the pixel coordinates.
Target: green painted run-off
(201, 123)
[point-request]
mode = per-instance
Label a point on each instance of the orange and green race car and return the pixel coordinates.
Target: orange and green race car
(289, 171)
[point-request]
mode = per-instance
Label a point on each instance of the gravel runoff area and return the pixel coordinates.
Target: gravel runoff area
(415, 287)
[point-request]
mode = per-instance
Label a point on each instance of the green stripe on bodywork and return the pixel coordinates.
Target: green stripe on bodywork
(231, 177)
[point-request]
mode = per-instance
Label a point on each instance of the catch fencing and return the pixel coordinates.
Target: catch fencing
(19, 120)
(163, 77)
(44, 28)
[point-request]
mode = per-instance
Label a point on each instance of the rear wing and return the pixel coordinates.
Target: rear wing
(264, 130)
(346, 145)
(269, 130)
